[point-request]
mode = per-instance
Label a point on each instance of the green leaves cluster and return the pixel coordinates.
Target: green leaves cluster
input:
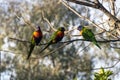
(102, 75)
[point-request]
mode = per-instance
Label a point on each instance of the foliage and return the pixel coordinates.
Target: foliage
(102, 75)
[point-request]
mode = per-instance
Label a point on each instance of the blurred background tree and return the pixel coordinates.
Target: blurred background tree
(78, 60)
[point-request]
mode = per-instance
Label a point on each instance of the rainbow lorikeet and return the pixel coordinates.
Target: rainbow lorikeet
(88, 35)
(56, 37)
(35, 40)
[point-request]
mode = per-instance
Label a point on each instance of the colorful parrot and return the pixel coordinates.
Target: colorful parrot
(56, 37)
(88, 35)
(35, 40)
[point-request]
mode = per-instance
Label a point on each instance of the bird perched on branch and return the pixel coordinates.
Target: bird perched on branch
(35, 40)
(56, 37)
(88, 35)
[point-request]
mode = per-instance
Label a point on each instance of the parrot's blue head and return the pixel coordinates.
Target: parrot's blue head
(80, 27)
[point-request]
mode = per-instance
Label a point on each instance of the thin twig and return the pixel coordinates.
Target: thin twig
(70, 30)
(55, 49)
(6, 51)
(25, 41)
(85, 47)
(107, 67)
(48, 22)
(100, 67)
(27, 23)
(51, 26)
(19, 40)
(115, 47)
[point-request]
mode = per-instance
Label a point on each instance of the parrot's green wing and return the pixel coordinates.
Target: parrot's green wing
(52, 38)
(32, 45)
(89, 35)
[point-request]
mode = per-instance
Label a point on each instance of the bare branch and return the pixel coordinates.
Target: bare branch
(100, 41)
(102, 67)
(115, 47)
(19, 40)
(71, 30)
(26, 22)
(48, 22)
(112, 2)
(108, 67)
(99, 68)
(83, 48)
(25, 41)
(55, 50)
(74, 11)
(99, 6)
(82, 3)
(6, 51)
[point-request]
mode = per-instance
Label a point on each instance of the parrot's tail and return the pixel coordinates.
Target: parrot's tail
(30, 52)
(97, 44)
(45, 47)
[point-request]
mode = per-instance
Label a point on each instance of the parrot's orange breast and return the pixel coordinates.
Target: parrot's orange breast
(60, 34)
(37, 34)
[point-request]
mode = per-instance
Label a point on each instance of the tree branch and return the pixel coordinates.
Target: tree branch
(112, 4)
(108, 67)
(48, 22)
(82, 3)
(51, 24)
(24, 41)
(100, 41)
(99, 6)
(74, 11)
(55, 50)
(26, 22)
(103, 67)
(19, 40)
